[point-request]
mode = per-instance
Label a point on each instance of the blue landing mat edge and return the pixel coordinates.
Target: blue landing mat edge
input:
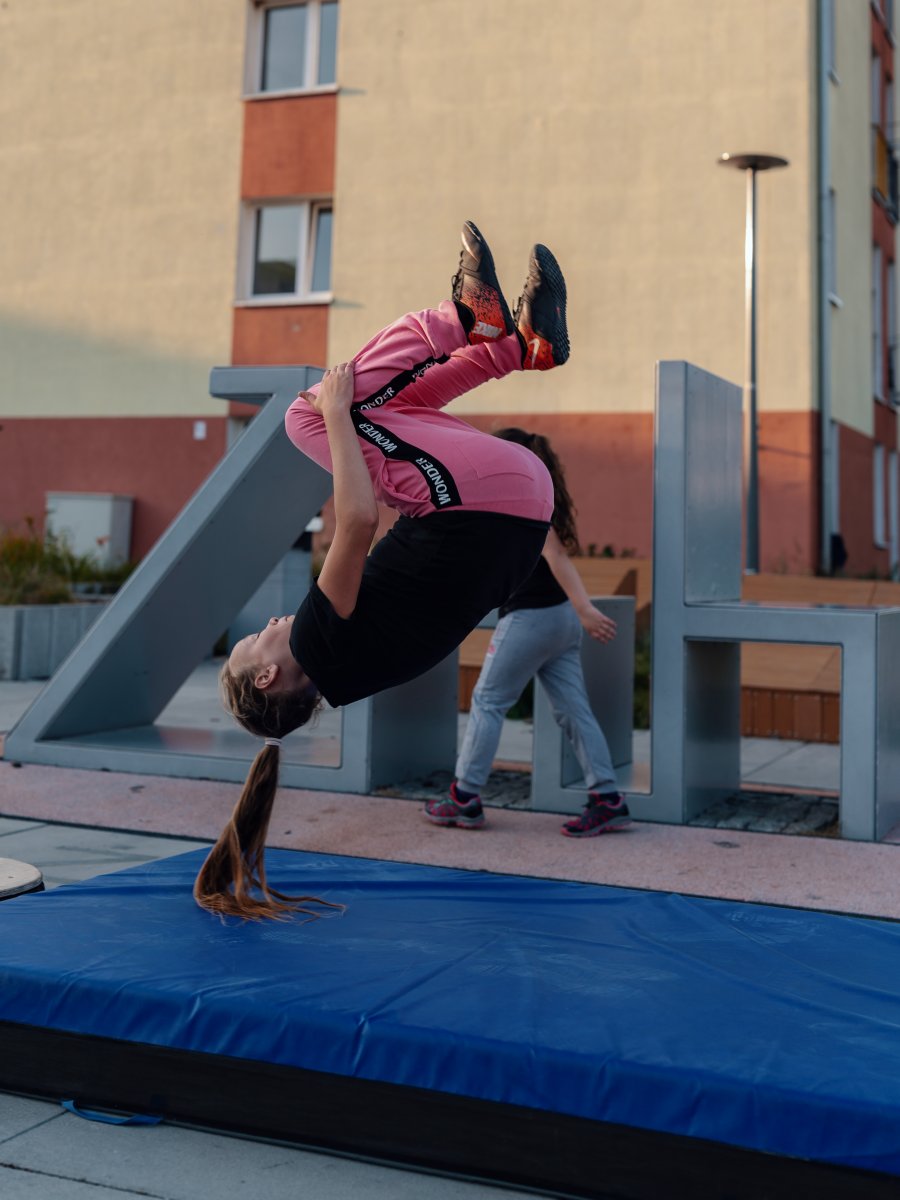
(768, 1028)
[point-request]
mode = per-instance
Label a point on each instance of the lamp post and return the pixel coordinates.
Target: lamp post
(752, 164)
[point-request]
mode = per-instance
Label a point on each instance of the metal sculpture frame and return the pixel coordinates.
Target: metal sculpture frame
(699, 622)
(99, 709)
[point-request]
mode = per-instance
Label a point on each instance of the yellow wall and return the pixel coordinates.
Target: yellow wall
(851, 177)
(120, 129)
(596, 130)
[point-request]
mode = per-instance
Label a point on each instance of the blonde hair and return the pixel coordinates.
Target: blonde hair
(235, 867)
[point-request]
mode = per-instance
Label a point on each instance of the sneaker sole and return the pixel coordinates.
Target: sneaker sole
(608, 827)
(460, 822)
(484, 296)
(546, 348)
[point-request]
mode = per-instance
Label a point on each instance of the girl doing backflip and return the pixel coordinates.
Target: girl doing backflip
(474, 515)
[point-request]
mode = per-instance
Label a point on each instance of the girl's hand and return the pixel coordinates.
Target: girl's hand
(335, 393)
(599, 627)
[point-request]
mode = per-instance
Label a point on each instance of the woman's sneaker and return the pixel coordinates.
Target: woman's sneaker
(476, 287)
(467, 814)
(540, 314)
(602, 814)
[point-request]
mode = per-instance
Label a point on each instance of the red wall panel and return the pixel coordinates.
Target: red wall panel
(154, 459)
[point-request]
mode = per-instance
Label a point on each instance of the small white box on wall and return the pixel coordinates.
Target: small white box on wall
(95, 523)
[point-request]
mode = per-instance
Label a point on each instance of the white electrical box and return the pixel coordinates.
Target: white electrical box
(94, 523)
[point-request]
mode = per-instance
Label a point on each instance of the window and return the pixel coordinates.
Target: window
(291, 250)
(878, 524)
(293, 47)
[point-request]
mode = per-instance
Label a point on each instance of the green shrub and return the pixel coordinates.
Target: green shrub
(36, 570)
(642, 681)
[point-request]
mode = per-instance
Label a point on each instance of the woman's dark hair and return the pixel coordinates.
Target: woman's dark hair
(563, 520)
(232, 881)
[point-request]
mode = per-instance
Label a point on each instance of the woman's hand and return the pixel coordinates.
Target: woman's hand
(601, 628)
(335, 392)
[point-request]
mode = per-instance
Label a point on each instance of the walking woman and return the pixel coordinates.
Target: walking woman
(474, 515)
(539, 633)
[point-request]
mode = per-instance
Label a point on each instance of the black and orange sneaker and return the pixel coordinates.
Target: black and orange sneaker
(540, 314)
(476, 287)
(602, 814)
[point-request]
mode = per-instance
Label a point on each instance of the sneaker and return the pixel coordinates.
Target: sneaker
(476, 286)
(540, 314)
(453, 811)
(602, 814)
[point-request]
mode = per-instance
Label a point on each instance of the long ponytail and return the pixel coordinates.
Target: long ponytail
(232, 881)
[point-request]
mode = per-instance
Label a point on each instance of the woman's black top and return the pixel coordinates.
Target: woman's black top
(425, 586)
(539, 590)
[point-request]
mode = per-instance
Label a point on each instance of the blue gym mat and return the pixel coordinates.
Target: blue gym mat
(767, 1028)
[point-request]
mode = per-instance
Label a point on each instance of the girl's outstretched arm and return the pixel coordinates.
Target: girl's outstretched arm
(566, 574)
(355, 510)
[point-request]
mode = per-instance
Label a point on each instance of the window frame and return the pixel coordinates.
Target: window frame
(310, 208)
(255, 42)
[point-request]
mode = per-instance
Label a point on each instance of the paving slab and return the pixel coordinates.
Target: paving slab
(20, 1183)
(67, 853)
(764, 752)
(175, 1163)
(10, 825)
(15, 697)
(805, 765)
(19, 1114)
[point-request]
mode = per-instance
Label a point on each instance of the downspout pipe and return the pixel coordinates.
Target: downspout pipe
(825, 256)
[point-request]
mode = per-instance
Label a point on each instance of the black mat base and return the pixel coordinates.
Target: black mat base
(553, 1154)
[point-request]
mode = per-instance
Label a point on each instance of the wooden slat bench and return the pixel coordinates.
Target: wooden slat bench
(794, 691)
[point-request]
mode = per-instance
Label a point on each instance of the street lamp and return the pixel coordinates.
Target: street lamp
(751, 163)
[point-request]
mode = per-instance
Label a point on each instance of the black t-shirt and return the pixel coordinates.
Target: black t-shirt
(539, 590)
(426, 585)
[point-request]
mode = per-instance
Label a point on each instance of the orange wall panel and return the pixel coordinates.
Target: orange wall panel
(885, 425)
(288, 147)
(856, 492)
(788, 492)
(281, 334)
(285, 335)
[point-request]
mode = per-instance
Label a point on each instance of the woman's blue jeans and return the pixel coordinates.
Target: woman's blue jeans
(534, 641)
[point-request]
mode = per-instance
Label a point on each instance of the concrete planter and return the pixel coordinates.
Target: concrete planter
(35, 638)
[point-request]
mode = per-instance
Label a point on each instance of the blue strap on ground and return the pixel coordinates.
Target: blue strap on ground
(107, 1118)
(769, 1028)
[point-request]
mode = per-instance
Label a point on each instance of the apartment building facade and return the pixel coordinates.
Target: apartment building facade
(270, 182)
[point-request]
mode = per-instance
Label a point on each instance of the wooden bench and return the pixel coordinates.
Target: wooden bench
(786, 691)
(794, 691)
